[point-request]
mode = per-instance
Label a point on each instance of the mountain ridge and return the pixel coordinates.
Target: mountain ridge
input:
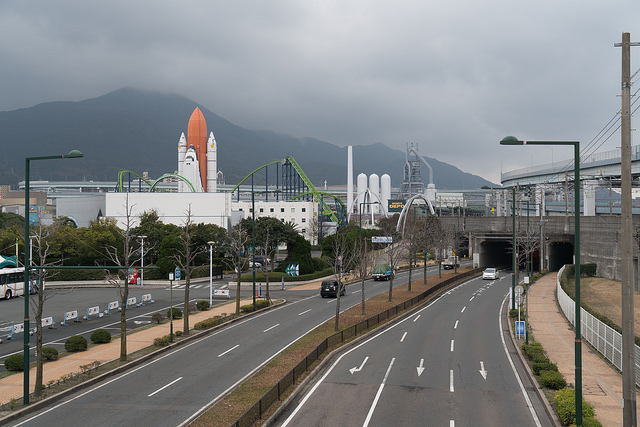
(139, 130)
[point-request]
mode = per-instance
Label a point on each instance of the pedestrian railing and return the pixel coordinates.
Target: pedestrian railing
(606, 340)
(275, 393)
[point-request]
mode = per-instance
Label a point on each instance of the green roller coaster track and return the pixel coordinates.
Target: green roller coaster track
(326, 210)
(152, 185)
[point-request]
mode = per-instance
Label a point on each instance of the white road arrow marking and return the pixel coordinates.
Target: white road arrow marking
(356, 369)
(482, 371)
(421, 367)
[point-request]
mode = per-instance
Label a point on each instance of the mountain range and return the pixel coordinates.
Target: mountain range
(139, 131)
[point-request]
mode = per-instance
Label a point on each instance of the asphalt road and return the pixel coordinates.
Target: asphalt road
(60, 301)
(445, 365)
(176, 387)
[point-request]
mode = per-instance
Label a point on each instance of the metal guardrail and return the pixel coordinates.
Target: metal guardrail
(602, 337)
(275, 393)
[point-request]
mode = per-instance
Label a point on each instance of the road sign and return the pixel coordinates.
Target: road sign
(177, 273)
(520, 329)
(339, 259)
(381, 239)
(519, 290)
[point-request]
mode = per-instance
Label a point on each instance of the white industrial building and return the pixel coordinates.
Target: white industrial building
(303, 214)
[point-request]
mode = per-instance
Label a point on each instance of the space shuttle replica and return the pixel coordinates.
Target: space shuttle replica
(197, 156)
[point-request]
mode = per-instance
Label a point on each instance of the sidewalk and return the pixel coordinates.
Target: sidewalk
(601, 384)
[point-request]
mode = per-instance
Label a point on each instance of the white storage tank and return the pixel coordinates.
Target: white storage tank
(385, 191)
(374, 189)
(362, 190)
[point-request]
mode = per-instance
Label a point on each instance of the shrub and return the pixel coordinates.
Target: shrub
(76, 343)
(513, 314)
(100, 336)
(208, 323)
(178, 333)
(157, 317)
(536, 367)
(552, 380)
(534, 352)
(162, 341)
(177, 313)
(15, 362)
(202, 305)
(49, 353)
(192, 308)
(566, 407)
(259, 304)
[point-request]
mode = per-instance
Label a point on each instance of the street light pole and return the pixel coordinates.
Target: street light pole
(27, 263)
(142, 261)
(512, 140)
(210, 273)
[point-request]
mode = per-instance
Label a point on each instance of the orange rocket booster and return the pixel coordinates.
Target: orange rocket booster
(197, 136)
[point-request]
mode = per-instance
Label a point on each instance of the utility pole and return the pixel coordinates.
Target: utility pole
(628, 347)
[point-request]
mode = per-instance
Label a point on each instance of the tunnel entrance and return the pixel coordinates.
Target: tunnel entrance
(560, 253)
(495, 253)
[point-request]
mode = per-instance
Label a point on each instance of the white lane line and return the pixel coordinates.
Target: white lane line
(513, 368)
(463, 309)
(451, 380)
(355, 292)
(162, 388)
(471, 299)
(304, 312)
(456, 325)
(274, 326)
(375, 401)
(452, 423)
(333, 300)
(231, 349)
(403, 336)
(417, 317)
(451, 345)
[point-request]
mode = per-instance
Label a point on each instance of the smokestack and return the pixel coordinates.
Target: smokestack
(349, 180)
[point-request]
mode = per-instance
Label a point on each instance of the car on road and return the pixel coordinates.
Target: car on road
(490, 274)
(329, 288)
(257, 264)
(382, 272)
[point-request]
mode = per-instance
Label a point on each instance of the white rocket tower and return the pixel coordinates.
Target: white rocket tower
(212, 164)
(349, 181)
(182, 151)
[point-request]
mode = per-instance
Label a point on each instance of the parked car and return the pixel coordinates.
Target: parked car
(329, 288)
(490, 274)
(382, 272)
(257, 264)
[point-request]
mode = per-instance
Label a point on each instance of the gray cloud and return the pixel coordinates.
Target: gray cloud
(453, 76)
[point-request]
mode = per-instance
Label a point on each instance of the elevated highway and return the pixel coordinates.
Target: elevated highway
(488, 241)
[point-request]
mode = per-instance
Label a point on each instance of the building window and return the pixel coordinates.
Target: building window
(282, 210)
(240, 209)
(250, 209)
(304, 230)
(293, 210)
(282, 219)
(304, 219)
(261, 210)
(271, 210)
(293, 220)
(304, 209)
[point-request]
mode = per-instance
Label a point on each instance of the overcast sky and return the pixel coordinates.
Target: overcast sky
(453, 76)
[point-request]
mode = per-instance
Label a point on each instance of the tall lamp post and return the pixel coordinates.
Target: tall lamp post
(512, 140)
(210, 273)
(72, 154)
(142, 260)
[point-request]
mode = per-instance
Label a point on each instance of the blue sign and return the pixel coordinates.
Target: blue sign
(520, 330)
(177, 272)
(292, 269)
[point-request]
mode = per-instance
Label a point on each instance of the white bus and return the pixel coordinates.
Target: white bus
(11, 282)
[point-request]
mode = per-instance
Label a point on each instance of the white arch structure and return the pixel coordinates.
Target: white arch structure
(367, 197)
(402, 221)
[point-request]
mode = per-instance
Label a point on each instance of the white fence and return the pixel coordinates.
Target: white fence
(601, 337)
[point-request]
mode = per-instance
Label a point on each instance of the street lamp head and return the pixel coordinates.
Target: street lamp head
(510, 140)
(73, 154)
(210, 243)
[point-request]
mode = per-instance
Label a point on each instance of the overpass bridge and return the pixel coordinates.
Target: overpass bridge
(488, 241)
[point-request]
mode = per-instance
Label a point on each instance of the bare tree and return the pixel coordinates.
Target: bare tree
(344, 255)
(122, 253)
(395, 250)
(185, 257)
(43, 247)
(238, 240)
